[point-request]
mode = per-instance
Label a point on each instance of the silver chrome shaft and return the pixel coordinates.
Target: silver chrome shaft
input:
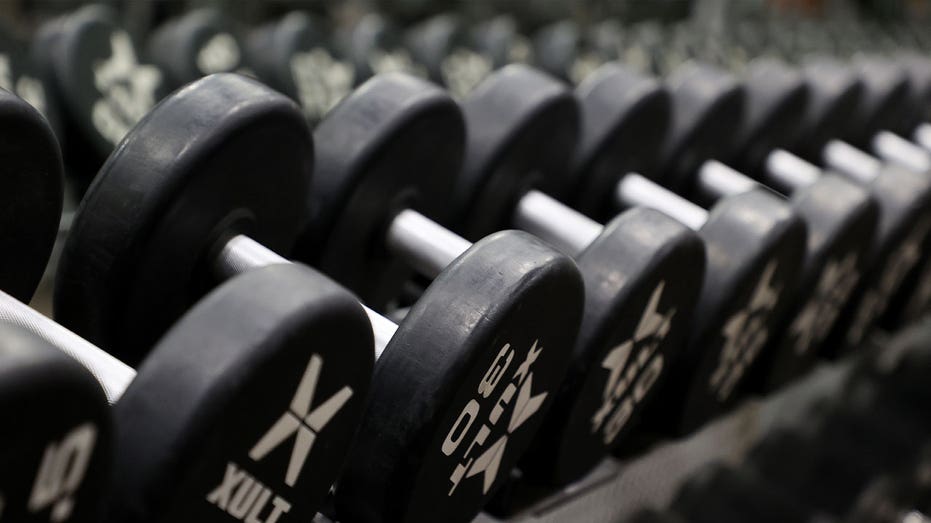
(788, 173)
(899, 151)
(922, 136)
(241, 253)
(850, 161)
(636, 190)
(112, 374)
(716, 180)
(423, 244)
(551, 220)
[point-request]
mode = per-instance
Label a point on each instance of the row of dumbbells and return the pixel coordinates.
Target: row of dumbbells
(861, 455)
(255, 378)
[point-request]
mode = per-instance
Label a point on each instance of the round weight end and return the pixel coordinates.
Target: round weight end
(522, 127)
(252, 398)
(834, 100)
(223, 155)
(624, 119)
(55, 451)
(642, 280)
(464, 384)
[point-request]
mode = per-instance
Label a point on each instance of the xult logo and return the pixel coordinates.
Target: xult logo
(61, 473)
(837, 281)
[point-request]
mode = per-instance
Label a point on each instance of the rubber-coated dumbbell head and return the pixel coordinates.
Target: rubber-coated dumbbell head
(32, 198)
(776, 98)
(95, 71)
(293, 56)
(884, 102)
(834, 98)
(707, 109)
(918, 68)
(626, 117)
(173, 196)
(57, 441)
(374, 45)
(501, 42)
(20, 75)
(637, 270)
(360, 186)
(502, 159)
(265, 413)
(200, 42)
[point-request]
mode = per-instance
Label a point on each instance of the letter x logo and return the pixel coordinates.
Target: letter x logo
(302, 422)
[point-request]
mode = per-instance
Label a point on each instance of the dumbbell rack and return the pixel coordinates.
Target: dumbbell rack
(617, 489)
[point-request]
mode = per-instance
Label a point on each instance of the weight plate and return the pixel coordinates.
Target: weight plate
(904, 198)
(32, 199)
(396, 142)
(223, 155)
(841, 217)
(833, 102)
(776, 98)
(57, 444)
(707, 107)
(624, 119)
(201, 42)
(755, 246)
(885, 98)
(248, 405)
(293, 56)
(522, 128)
(464, 384)
(640, 293)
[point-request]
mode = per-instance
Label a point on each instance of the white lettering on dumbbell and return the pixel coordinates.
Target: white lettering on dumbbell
(219, 55)
(519, 389)
(301, 422)
(321, 81)
(246, 499)
(745, 334)
(394, 61)
(628, 384)
(875, 300)
(127, 89)
(61, 473)
(835, 284)
(464, 69)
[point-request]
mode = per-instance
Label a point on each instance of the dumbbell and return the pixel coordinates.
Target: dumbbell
(202, 397)
(91, 68)
(198, 43)
(642, 270)
(294, 56)
(374, 45)
(499, 40)
(565, 51)
(834, 94)
(57, 443)
(443, 45)
(841, 216)
(755, 243)
(461, 384)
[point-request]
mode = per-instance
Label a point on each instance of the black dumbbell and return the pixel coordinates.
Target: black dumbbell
(461, 384)
(902, 195)
(755, 243)
(499, 40)
(294, 55)
(374, 45)
(91, 66)
(19, 74)
(840, 215)
(198, 43)
(443, 46)
(642, 270)
(201, 399)
(57, 444)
